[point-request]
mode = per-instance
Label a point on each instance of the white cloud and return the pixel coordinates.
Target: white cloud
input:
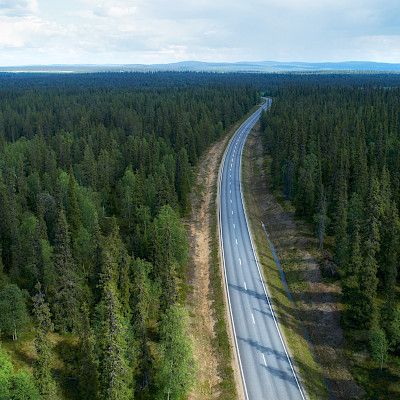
(114, 11)
(130, 31)
(29, 31)
(18, 8)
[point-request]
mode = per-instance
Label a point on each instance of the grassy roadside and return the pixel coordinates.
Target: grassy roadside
(309, 370)
(222, 346)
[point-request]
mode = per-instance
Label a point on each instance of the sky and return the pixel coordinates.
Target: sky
(162, 31)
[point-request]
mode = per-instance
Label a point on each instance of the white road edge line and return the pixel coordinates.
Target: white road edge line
(220, 171)
(262, 281)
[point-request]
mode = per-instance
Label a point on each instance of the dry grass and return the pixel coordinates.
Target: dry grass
(217, 373)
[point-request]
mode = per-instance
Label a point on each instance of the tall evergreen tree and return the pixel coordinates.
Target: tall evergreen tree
(67, 296)
(43, 364)
(340, 228)
(117, 348)
(88, 368)
(183, 179)
(321, 219)
(369, 279)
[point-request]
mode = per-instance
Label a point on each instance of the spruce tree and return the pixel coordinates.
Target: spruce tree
(43, 363)
(321, 219)
(183, 180)
(67, 295)
(117, 355)
(351, 282)
(88, 368)
(72, 207)
(340, 228)
(145, 306)
(368, 278)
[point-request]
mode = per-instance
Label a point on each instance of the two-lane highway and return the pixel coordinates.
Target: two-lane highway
(265, 366)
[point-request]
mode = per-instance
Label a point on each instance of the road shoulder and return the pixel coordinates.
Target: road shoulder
(296, 338)
(218, 376)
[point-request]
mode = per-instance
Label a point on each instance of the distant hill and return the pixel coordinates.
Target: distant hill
(244, 66)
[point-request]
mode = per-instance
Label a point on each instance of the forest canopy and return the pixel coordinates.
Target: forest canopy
(95, 176)
(335, 155)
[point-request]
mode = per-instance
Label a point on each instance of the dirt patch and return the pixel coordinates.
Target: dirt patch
(317, 302)
(201, 300)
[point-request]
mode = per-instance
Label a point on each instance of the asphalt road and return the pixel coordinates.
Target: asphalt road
(265, 366)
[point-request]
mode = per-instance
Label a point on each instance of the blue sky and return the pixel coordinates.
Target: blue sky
(159, 31)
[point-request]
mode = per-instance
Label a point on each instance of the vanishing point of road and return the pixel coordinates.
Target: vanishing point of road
(265, 366)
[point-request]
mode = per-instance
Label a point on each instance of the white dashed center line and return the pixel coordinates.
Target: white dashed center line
(265, 363)
(252, 317)
(245, 286)
(240, 261)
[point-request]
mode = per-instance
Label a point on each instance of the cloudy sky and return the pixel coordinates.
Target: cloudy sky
(158, 31)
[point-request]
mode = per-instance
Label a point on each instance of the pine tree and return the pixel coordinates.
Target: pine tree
(43, 326)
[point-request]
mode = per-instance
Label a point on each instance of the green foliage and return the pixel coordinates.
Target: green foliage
(378, 345)
(94, 179)
(67, 290)
(15, 385)
(88, 373)
(14, 318)
(43, 326)
(171, 251)
(23, 387)
(335, 151)
(117, 355)
(175, 370)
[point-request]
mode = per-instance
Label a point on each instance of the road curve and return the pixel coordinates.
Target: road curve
(265, 366)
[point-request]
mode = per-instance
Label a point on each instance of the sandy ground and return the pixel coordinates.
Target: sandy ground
(201, 307)
(317, 301)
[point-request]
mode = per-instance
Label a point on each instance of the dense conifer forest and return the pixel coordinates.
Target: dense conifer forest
(95, 176)
(94, 179)
(335, 154)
